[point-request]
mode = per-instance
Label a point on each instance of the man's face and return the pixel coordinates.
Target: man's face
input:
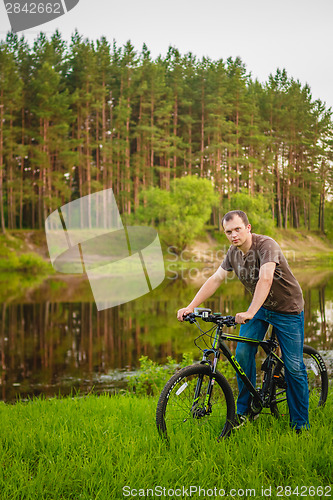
(236, 231)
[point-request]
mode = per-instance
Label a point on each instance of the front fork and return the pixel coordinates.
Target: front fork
(273, 378)
(206, 409)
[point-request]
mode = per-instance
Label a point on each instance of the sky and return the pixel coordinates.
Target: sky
(265, 34)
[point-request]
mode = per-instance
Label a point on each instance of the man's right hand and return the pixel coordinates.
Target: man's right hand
(184, 312)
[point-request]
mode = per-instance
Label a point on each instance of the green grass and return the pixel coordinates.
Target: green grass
(91, 447)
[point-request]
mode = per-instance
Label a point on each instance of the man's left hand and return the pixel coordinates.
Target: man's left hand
(243, 317)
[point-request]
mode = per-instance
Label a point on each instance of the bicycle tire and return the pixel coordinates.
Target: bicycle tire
(175, 412)
(317, 382)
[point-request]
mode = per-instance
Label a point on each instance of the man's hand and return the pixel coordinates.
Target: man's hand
(184, 312)
(243, 317)
(206, 291)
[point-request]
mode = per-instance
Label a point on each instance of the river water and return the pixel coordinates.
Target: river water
(54, 341)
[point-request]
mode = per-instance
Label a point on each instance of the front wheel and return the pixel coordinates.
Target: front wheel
(317, 382)
(196, 399)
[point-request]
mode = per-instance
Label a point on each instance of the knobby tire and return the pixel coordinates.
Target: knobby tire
(317, 382)
(176, 411)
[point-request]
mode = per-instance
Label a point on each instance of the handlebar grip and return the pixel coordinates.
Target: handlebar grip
(189, 317)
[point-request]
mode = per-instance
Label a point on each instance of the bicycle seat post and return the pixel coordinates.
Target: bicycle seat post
(273, 334)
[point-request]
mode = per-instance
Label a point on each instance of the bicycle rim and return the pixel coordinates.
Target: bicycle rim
(181, 411)
(317, 376)
(317, 382)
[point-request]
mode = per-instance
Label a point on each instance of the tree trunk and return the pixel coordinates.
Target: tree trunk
(309, 208)
(175, 124)
(237, 150)
(22, 171)
(138, 161)
(190, 143)
(278, 193)
(11, 202)
(150, 175)
(110, 162)
(127, 157)
(251, 169)
(2, 212)
(202, 142)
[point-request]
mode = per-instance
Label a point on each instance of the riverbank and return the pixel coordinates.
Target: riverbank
(302, 249)
(299, 245)
(106, 447)
(25, 268)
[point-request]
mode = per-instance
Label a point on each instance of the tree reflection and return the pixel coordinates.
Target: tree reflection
(49, 346)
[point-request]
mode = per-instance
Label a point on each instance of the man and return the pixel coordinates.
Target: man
(260, 265)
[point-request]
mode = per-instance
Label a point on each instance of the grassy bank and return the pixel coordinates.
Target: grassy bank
(24, 252)
(92, 447)
(23, 263)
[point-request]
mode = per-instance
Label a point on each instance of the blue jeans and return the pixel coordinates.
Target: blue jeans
(289, 330)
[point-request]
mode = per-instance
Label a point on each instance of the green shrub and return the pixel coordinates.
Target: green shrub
(152, 377)
(28, 263)
(179, 214)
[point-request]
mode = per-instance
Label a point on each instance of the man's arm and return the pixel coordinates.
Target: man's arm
(206, 291)
(266, 275)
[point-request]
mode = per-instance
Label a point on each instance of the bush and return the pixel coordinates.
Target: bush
(181, 213)
(28, 263)
(152, 377)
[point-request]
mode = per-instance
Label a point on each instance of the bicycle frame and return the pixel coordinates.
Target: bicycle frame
(259, 400)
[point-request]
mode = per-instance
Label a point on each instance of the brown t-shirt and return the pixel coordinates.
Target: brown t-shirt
(285, 295)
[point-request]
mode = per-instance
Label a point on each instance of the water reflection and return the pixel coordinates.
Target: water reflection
(51, 345)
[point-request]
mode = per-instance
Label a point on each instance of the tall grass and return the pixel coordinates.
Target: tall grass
(92, 447)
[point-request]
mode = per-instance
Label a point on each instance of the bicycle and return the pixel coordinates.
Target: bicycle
(199, 394)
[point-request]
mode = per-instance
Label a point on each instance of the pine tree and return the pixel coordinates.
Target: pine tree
(51, 157)
(10, 114)
(236, 90)
(81, 81)
(188, 117)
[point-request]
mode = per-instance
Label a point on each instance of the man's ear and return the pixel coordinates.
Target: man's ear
(249, 228)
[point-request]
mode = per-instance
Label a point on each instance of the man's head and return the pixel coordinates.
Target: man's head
(237, 227)
(230, 215)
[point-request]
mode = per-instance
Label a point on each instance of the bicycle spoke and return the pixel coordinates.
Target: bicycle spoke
(176, 408)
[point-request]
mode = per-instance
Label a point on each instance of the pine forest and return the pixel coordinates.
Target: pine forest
(79, 117)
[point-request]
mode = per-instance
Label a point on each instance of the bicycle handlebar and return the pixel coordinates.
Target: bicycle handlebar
(207, 315)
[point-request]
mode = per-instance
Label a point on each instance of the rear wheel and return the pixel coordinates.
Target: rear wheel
(317, 381)
(184, 406)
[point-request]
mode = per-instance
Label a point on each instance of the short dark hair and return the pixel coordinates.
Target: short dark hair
(230, 215)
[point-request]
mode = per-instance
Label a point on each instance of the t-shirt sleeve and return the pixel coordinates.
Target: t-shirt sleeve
(269, 251)
(226, 264)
